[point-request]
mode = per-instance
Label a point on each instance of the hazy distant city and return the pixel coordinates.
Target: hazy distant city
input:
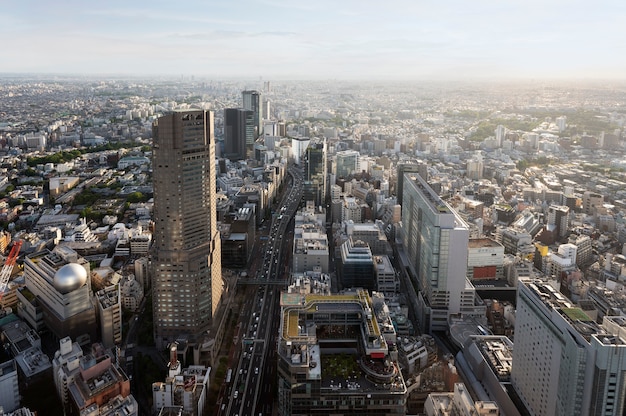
(187, 245)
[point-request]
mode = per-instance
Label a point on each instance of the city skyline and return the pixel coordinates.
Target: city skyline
(400, 40)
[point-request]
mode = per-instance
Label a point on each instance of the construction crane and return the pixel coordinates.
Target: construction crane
(5, 274)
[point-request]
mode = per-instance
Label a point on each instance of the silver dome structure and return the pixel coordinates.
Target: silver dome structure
(70, 277)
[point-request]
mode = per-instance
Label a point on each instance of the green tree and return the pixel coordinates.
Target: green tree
(136, 197)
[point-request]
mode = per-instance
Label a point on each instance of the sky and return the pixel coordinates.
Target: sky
(317, 39)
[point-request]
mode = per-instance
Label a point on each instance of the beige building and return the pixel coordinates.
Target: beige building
(110, 315)
(458, 403)
(187, 270)
(62, 184)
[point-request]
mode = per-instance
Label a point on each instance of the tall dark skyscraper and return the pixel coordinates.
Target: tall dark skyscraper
(238, 133)
(315, 173)
(186, 265)
(252, 101)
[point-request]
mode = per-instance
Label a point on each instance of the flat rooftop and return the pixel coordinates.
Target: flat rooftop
(482, 242)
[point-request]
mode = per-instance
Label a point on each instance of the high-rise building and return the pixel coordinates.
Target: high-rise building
(110, 315)
(435, 239)
(591, 202)
(186, 263)
(357, 265)
(564, 363)
(558, 220)
(315, 173)
(252, 101)
(298, 148)
(475, 167)
(406, 167)
(238, 133)
(346, 163)
(500, 135)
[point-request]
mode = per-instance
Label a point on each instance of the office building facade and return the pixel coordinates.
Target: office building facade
(435, 239)
(252, 101)
(564, 363)
(347, 163)
(238, 133)
(315, 171)
(186, 261)
(408, 167)
(357, 265)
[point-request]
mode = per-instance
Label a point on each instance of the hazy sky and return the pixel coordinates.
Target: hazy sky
(304, 39)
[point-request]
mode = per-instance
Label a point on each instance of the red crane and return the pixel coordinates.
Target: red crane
(5, 274)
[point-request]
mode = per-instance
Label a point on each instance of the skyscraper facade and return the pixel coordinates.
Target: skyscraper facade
(186, 264)
(347, 163)
(315, 173)
(564, 363)
(238, 132)
(410, 166)
(436, 238)
(252, 101)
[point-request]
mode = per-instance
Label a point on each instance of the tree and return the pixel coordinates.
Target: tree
(136, 197)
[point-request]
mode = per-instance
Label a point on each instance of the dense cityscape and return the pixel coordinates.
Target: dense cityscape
(194, 246)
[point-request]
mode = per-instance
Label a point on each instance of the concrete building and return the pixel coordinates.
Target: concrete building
(413, 354)
(65, 366)
(61, 184)
(9, 386)
(139, 242)
(187, 272)
(59, 282)
(592, 201)
(25, 346)
(351, 210)
(186, 387)
(489, 358)
(485, 259)
(515, 241)
(387, 281)
(97, 382)
(558, 219)
(131, 293)
(372, 234)
(459, 402)
(314, 379)
(564, 363)
(110, 315)
(475, 167)
(310, 249)
(117, 406)
(142, 272)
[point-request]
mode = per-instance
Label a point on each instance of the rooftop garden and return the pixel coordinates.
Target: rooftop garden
(340, 366)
